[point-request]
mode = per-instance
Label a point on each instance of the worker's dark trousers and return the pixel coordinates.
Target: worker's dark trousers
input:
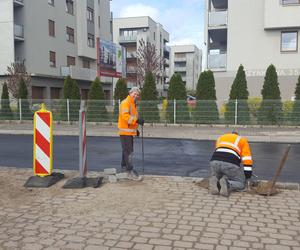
(127, 152)
(234, 173)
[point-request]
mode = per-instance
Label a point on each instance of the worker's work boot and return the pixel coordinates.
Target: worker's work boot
(224, 191)
(213, 185)
(134, 175)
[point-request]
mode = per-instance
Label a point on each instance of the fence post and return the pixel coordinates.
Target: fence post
(68, 110)
(20, 109)
(236, 110)
(174, 111)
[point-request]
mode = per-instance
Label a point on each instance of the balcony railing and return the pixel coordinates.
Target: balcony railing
(131, 55)
(19, 32)
(78, 73)
(217, 18)
(19, 2)
(217, 61)
(180, 69)
(127, 39)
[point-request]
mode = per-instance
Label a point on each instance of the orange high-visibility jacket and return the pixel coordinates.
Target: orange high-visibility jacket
(128, 116)
(235, 149)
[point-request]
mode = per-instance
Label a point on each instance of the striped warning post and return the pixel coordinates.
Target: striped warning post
(42, 142)
(82, 141)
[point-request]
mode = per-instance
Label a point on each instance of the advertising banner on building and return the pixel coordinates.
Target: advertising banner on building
(111, 59)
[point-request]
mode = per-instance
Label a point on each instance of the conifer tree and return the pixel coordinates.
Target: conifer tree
(270, 111)
(148, 106)
(239, 92)
(23, 95)
(5, 112)
(177, 91)
(121, 92)
(206, 109)
(96, 103)
(296, 106)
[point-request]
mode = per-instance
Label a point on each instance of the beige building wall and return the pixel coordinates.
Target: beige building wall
(254, 40)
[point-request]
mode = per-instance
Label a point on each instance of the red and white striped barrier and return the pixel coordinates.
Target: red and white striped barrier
(42, 142)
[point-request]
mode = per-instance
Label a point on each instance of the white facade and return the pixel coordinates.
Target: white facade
(254, 33)
(128, 32)
(186, 61)
(77, 24)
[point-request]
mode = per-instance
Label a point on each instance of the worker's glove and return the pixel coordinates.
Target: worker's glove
(248, 174)
(140, 121)
(138, 133)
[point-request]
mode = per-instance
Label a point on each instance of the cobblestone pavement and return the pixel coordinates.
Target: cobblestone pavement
(158, 213)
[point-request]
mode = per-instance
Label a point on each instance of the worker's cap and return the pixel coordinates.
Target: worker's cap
(134, 90)
(234, 131)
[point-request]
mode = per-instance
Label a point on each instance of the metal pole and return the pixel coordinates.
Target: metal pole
(236, 110)
(68, 110)
(82, 141)
(20, 109)
(174, 111)
(143, 154)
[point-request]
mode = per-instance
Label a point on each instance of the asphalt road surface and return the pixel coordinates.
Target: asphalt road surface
(162, 156)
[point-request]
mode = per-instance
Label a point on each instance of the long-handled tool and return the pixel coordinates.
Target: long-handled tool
(268, 188)
(143, 155)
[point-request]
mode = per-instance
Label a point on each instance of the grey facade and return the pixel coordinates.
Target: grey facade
(186, 60)
(55, 39)
(254, 33)
(128, 32)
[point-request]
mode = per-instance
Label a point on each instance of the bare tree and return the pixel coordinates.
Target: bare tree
(15, 72)
(148, 60)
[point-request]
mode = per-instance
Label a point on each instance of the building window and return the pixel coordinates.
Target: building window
(51, 2)
(154, 36)
(99, 22)
(90, 14)
(91, 40)
(70, 61)
(51, 25)
(85, 64)
(52, 56)
(290, 2)
(70, 35)
(70, 6)
(289, 41)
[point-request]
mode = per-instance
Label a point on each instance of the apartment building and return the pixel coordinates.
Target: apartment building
(55, 38)
(186, 60)
(128, 32)
(254, 33)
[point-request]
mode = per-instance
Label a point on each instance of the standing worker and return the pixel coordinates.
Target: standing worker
(128, 128)
(227, 174)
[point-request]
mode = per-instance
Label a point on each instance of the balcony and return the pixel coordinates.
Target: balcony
(18, 32)
(167, 50)
(128, 39)
(217, 19)
(18, 3)
(79, 73)
(217, 62)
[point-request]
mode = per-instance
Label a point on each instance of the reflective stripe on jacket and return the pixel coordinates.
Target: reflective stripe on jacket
(234, 149)
(128, 116)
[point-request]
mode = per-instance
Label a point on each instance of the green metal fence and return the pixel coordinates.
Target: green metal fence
(234, 112)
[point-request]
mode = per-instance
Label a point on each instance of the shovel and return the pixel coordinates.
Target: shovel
(268, 188)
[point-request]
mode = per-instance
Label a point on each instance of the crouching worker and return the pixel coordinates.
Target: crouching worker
(128, 123)
(227, 174)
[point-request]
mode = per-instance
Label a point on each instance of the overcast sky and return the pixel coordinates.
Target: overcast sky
(183, 19)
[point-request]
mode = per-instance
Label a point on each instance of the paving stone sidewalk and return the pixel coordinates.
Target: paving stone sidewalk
(159, 213)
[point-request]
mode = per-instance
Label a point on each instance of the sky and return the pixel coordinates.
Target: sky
(183, 19)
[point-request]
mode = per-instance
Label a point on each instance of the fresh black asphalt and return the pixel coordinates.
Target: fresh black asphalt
(179, 157)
